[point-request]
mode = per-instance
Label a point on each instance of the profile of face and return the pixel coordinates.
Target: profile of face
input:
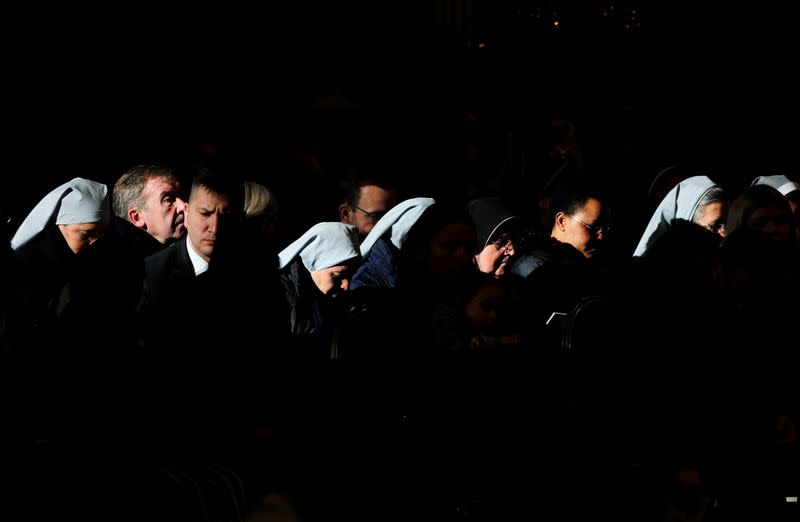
(484, 305)
(449, 259)
(163, 211)
(772, 221)
(585, 229)
(81, 236)
(332, 281)
(372, 204)
(713, 216)
(495, 256)
(208, 217)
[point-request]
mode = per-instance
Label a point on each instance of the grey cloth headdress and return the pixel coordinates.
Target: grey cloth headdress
(782, 183)
(679, 203)
(324, 245)
(397, 222)
(77, 201)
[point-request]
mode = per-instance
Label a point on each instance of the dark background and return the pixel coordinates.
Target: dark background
(301, 96)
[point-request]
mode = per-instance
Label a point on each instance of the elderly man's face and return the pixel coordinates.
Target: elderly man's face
(81, 236)
(163, 210)
(207, 219)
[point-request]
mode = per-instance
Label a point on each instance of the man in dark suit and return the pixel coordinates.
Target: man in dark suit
(202, 298)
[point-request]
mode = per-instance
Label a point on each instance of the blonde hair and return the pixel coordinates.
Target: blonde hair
(258, 201)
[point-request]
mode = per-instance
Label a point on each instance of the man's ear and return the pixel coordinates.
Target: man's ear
(135, 216)
(560, 223)
(345, 213)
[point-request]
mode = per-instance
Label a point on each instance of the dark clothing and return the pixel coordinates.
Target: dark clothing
(203, 334)
(558, 276)
(379, 269)
(138, 242)
(77, 312)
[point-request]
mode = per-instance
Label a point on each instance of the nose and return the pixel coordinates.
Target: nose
(510, 249)
(180, 205)
(213, 223)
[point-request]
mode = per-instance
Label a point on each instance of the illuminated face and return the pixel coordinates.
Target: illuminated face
(162, 213)
(495, 256)
(373, 203)
(332, 281)
(583, 229)
(713, 216)
(80, 236)
(207, 219)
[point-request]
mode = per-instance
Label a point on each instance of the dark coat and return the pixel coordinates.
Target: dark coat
(379, 269)
(213, 332)
(78, 311)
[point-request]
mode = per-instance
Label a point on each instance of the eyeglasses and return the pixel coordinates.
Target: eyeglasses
(716, 227)
(370, 215)
(594, 229)
(502, 243)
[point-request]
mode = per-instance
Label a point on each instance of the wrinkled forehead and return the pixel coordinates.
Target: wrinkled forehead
(161, 184)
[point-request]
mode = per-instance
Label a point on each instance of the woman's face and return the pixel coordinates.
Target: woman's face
(82, 235)
(713, 216)
(483, 307)
(450, 255)
(771, 221)
(333, 280)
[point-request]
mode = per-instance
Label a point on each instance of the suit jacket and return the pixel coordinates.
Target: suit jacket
(210, 332)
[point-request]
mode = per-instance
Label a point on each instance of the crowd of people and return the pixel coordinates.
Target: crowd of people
(466, 359)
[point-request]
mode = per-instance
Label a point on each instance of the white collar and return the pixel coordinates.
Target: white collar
(200, 265)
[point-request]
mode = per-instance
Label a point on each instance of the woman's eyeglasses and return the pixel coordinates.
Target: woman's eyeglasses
(593, 229)
(502, 243)
(716, 228)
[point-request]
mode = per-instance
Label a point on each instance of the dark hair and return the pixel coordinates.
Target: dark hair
(218, 184)
(570, 197)
(352, 192)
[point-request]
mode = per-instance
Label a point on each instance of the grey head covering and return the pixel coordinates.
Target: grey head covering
(397, 222)
(679, 203)
(782, 183)
(75, 202)
(488, 214)
(322, 246)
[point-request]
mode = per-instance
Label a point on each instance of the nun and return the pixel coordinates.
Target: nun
(790, 189)
(498, 234)
(315, 271)
(68, 298)
(57, 235)
(697, 199)
(380, 248)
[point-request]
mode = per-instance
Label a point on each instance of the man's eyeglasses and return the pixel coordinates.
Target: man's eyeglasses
(593, 229)
(371, 215)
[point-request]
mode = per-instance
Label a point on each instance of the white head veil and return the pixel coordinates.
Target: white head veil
(679, 203)
(75, 202)
(780, 182)
(397, 222)
(324, 245)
